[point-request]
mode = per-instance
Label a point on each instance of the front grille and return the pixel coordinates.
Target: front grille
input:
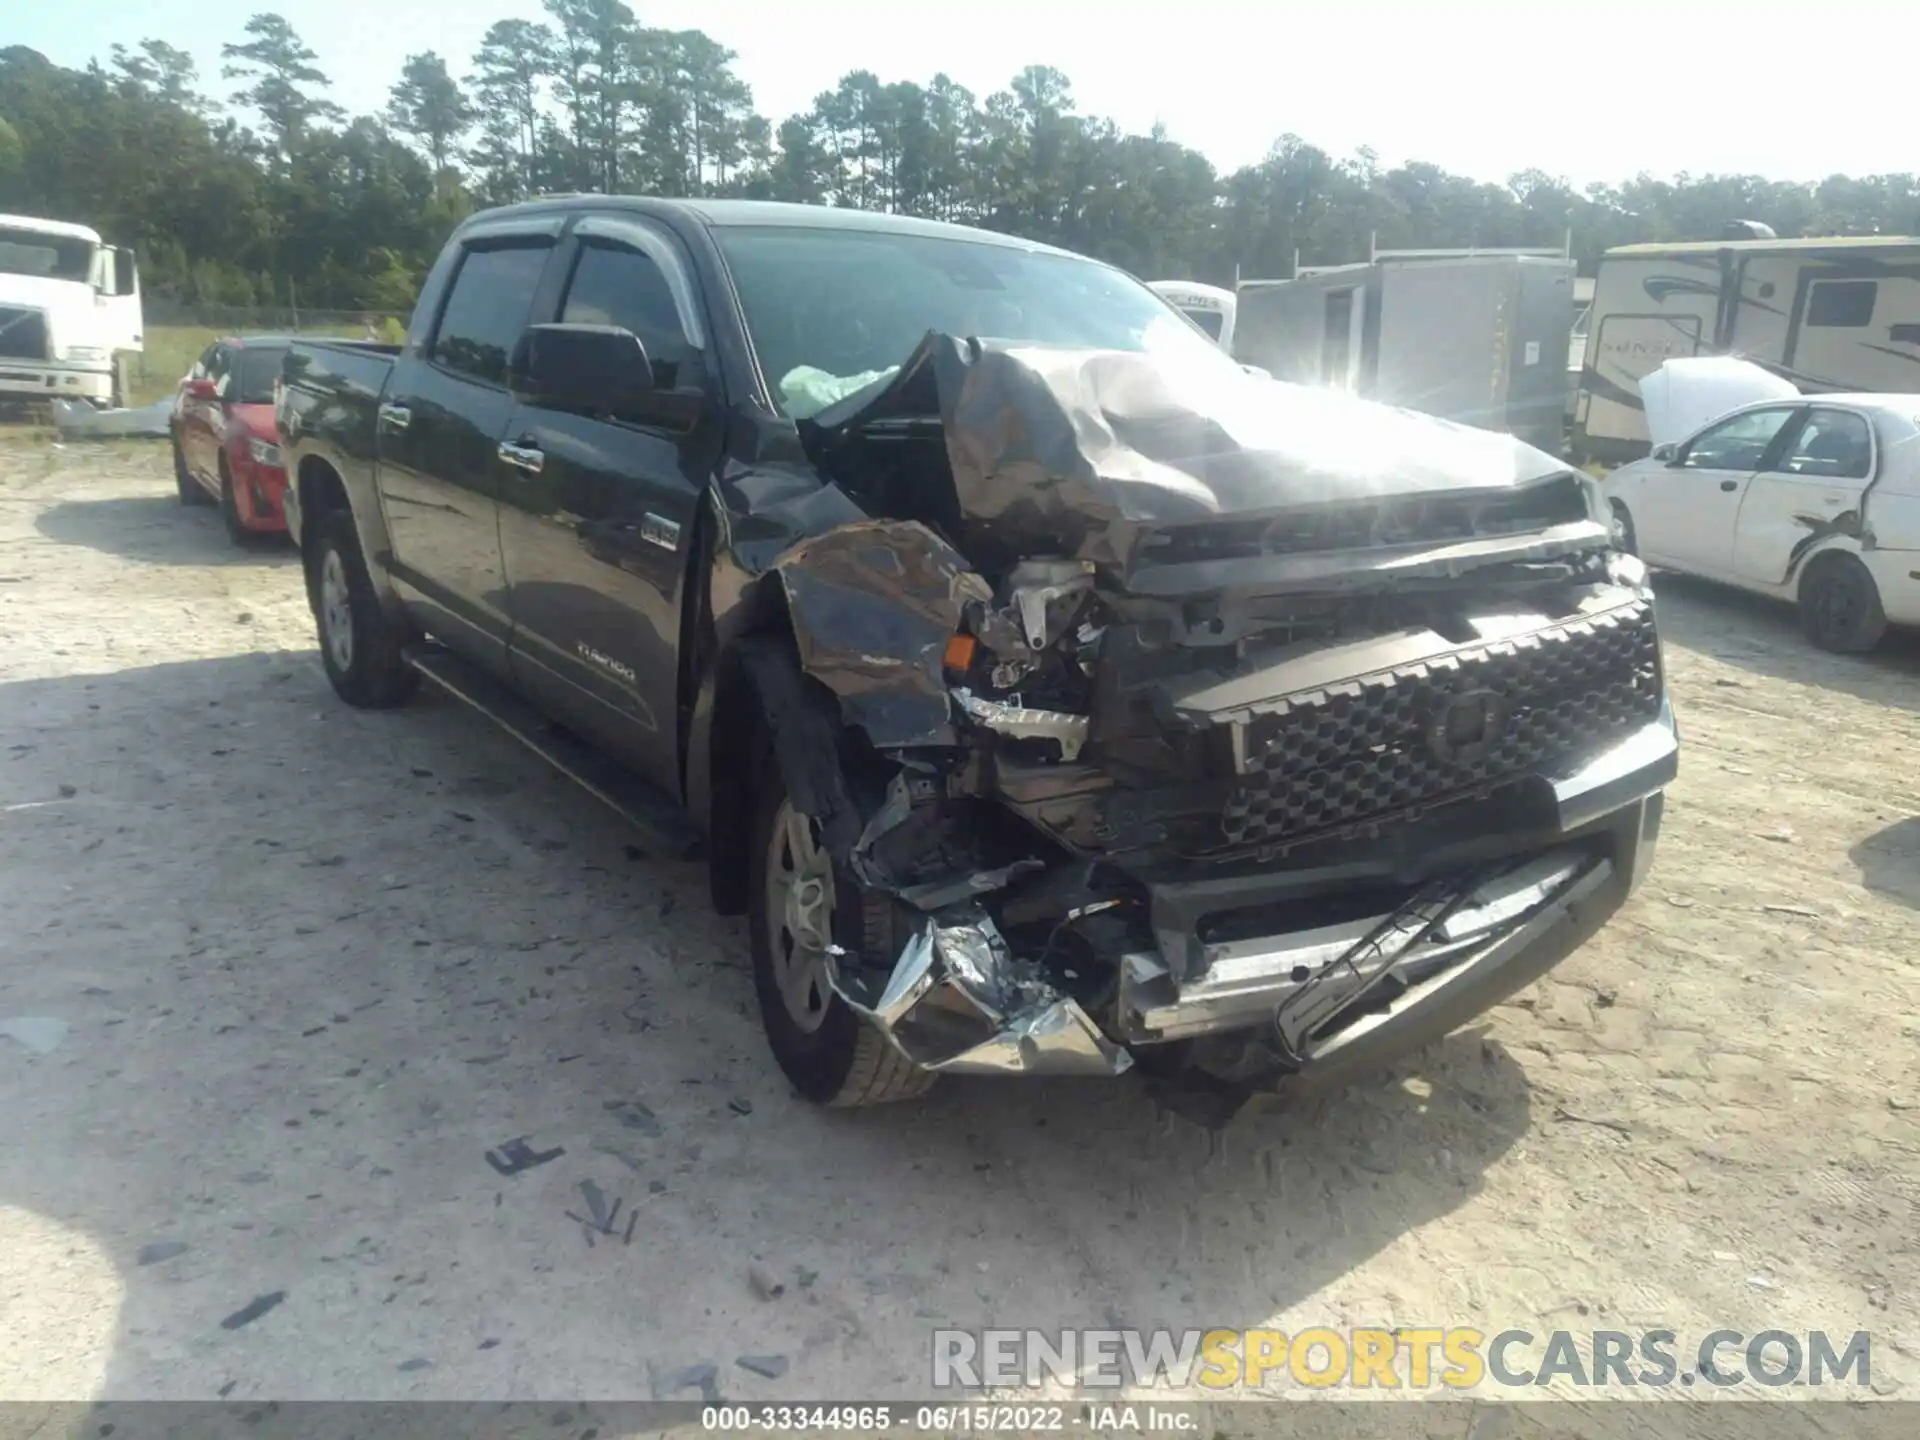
(23, 333)
(1359, 753)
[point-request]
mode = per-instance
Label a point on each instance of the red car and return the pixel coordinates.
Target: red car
(225, 447)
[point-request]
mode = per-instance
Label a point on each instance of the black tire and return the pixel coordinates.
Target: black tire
(370, 670)
(237, 531)
(1840, 606)
(183, 481)
(845, 1061)
(1624, 538)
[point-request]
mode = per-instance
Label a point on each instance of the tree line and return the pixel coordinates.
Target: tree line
(272, 194)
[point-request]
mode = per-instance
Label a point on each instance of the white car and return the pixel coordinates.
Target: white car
(1814, 499)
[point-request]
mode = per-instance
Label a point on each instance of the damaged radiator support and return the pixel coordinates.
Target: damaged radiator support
(958, 1002)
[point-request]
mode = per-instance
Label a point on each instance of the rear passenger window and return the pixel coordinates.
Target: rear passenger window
(613, 285)
(1842, 304)
(487, 311)
(1833, 444)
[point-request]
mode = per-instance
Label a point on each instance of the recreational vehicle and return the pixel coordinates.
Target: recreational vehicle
(1208, 306)
(1480, 337)
(1839, 314)
(69, 312)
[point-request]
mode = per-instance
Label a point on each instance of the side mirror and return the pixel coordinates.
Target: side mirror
(126, 273)
(598, 368)
(1663, 452)
(202, 389)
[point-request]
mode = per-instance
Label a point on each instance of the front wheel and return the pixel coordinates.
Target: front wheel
(183, 481)
(799, 906)
(237, 530)
(1623, 536)
(362, 646)
(1840, 606)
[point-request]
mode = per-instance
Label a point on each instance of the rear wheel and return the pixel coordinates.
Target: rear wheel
(799, 906)
(362, 647)
(1840, 606)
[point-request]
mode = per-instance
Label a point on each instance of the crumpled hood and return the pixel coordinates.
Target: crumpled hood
(1088, 448)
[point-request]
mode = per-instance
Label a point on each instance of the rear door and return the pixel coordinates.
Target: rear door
(597, 517)
(1684, 512)
(441, 421)
(1811, 489)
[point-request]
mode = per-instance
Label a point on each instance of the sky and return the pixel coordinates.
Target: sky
(1600, 90)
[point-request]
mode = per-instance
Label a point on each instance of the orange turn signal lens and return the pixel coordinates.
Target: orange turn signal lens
(960, 653)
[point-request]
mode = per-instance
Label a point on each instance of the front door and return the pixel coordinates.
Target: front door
(1684, 512)
(441, 423)
(597, 518)
(200, 420)
(1810, 490)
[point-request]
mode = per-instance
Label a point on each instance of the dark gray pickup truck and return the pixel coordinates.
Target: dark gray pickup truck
(1053, 695)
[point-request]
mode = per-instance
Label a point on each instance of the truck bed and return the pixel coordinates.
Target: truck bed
(329, 406)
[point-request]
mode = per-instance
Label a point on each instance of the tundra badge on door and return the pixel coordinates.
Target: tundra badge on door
(658, 530)
(605, 662)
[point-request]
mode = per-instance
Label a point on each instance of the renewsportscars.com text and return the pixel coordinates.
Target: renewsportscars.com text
(1456, 1358)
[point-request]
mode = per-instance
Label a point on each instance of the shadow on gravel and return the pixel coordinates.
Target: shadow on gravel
(1889, 861)
(320, 968)
(1763, 636)
(158, 530)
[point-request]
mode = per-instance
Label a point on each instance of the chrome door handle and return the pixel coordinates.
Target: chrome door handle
(395, 417)
(523, 457)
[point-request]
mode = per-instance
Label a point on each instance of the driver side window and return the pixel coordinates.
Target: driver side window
(614, 285)
(1735, 444)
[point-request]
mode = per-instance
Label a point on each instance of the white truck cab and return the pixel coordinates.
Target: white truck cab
(69, 312)
(1208, 306)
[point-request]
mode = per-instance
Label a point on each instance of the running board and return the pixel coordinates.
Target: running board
(641, 805)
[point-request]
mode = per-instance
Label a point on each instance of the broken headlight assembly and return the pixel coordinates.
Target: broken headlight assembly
(1022, 668)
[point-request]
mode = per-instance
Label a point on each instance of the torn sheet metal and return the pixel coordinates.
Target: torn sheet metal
(77, 420)
(1079, 451)
(1069, 732)
(873, 606)
(958, 1002)
(1056, 1039)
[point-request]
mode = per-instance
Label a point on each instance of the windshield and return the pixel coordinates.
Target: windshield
(52, 257)
(831, 310)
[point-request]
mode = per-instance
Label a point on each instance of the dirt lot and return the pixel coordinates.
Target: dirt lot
(310, 966)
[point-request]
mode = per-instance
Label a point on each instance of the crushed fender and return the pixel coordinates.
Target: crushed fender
(873, 606)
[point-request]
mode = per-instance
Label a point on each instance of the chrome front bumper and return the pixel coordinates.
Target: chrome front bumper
(45, 380)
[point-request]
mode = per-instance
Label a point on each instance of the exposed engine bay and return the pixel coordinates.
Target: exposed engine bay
(1210, 729)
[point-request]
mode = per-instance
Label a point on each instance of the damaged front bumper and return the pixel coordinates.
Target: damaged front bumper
(1308, 1002)
(958, 1002)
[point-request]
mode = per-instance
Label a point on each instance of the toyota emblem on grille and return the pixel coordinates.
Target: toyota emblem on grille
(1466, 726)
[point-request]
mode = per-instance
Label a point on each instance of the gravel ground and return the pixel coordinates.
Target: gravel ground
(308, 967)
